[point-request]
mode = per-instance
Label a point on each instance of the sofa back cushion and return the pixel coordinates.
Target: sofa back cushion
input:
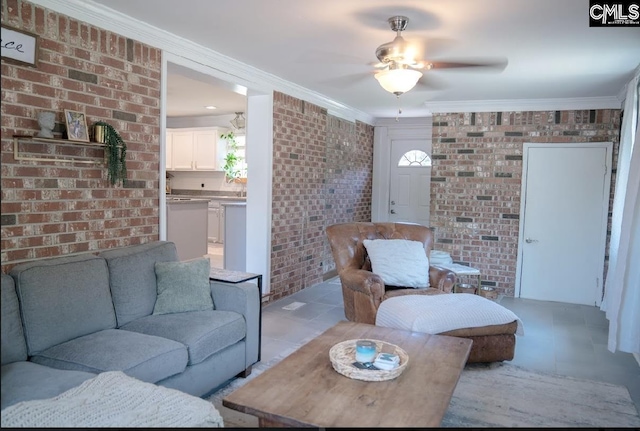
(14, 348)
(63, 298)
(133, 277)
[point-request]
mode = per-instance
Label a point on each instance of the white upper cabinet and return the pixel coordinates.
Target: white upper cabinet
(182, 154)
(193, 150)
(204, 151)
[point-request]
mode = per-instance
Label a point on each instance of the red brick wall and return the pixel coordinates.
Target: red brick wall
(477, 174)
(322, 168)
(55, 208)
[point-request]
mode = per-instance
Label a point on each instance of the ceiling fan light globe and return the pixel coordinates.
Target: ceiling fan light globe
(398, 81)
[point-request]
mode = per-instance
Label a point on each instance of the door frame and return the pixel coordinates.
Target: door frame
(259, 130)
(608, 146)
(385, 130)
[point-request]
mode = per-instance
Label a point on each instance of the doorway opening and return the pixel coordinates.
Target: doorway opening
(258, 111)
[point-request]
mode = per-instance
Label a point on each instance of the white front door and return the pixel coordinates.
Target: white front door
(410, 181)
(565, 199)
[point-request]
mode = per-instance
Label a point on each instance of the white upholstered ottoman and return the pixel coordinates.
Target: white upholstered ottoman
(491, 326)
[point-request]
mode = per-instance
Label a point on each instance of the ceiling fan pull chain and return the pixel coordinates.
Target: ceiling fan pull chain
(399, 109)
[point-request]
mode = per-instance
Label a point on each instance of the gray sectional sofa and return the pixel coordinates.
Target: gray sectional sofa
(66, 319)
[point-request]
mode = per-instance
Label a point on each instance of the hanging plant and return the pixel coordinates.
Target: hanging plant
(231, 159)
(116, 151)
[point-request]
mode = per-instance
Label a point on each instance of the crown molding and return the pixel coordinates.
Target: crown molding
(221, 66)
(425, 121)
(507, 105)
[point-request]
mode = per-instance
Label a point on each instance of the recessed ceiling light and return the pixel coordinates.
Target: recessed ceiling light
(210, 107)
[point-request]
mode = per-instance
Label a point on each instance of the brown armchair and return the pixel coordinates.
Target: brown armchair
(362, 290)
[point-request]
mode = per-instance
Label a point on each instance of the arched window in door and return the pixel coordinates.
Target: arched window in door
(414, 158)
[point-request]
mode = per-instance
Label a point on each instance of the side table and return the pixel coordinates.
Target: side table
(235, 277)
(463, 270)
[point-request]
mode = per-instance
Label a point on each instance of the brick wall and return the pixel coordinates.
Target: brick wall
(322, 168)
(55, 208)
(477, 174)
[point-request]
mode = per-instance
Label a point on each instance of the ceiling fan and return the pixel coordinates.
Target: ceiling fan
(399, 67)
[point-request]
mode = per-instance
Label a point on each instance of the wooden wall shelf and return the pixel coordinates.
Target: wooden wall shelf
(19, 140)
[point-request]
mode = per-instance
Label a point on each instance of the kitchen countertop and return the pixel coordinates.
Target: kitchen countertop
(187, 201)
(234, 204)
(207, 198)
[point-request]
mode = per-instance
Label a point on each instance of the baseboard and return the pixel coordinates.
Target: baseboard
(330, 274)
(637, 356)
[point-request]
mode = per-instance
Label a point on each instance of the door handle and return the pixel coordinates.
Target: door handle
(393, 211)
(393, 202)
(529, 240)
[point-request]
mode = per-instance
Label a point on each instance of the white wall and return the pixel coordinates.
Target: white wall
(213, 181)
(202, 121)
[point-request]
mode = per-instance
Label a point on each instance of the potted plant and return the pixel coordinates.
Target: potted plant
(115, 150)
(231, 159)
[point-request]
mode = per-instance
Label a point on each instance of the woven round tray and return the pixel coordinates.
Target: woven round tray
(343, 355)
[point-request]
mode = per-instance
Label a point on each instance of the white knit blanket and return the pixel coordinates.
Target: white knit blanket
(113, 399)
(434, 314)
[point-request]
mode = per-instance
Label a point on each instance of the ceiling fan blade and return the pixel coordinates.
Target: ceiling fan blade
(377, 64)
(347, 80)
(323, 57)
(496, 65)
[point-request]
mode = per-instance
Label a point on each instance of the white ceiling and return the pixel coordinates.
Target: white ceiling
(189, 91)
(328, 46)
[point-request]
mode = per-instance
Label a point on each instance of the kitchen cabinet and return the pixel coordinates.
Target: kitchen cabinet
(205, 145)
(187, 227)
(214, 222)
(221, 230)
(182, 151)
(216, 218)
(193, 149)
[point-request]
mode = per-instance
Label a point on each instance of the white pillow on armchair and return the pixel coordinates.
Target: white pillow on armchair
(399, 262)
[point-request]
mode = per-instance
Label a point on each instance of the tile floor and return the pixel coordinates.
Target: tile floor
(215, 253)
(559, 338)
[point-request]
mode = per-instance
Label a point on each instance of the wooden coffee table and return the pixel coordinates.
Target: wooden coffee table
(304, 390)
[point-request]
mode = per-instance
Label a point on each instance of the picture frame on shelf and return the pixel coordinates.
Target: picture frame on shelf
(76, 126)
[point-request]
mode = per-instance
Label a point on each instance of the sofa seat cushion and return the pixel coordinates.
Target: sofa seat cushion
(203, 332)
(23, 381)
(142, 356)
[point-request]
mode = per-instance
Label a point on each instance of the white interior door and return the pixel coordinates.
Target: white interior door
(410, 181)
(565, 196)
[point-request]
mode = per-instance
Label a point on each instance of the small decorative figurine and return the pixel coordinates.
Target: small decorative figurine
(46, 121)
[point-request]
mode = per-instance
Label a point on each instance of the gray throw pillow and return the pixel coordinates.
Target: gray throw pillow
(183, 286)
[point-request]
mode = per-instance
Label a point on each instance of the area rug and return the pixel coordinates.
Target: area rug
(503, 395)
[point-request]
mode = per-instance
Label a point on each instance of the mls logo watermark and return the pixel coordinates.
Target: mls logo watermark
(614, 13)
